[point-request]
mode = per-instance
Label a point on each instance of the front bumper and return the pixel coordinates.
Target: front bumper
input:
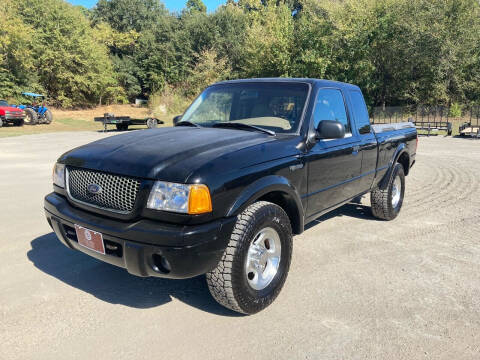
(142, 246)
(14, 116)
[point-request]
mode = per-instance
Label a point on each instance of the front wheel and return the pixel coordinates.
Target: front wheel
(255, 263)
(386, 204)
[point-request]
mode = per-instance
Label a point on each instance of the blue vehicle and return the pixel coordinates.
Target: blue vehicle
(37, 112)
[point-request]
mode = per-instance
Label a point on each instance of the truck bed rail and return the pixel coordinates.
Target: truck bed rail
(379, 128)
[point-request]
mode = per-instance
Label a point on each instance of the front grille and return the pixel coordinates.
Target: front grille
(118, 193)
(13, 115)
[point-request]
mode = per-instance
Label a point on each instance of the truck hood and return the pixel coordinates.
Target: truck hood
(170, 154)
(10, 108)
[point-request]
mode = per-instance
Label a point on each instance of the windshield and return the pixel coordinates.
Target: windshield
(3, 103)
(275, 106)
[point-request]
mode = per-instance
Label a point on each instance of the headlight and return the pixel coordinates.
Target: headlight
(182, 198)
(59, 175)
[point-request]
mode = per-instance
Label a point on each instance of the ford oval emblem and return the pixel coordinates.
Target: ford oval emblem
(94, 189)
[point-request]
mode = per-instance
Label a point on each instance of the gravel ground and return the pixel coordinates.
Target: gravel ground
(358, 288)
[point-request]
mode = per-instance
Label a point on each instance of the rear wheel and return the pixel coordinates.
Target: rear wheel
(18, 122)
(386, 204)
(31, 118)
(122, 127)
(255, 263)
(1, 122)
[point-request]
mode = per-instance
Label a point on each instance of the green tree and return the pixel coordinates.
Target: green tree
(126, 15)
(209, 69)
(196, 5)
(72, 67)
(230, 30)
(16, 56)
(269, 39)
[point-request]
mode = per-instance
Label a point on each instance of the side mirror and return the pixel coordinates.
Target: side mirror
(176, 119)
(330, 129)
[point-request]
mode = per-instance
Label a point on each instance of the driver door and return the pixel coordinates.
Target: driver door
(334, 165)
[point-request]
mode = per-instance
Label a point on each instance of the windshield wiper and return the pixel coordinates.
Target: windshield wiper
(243, 126)
(186, 123)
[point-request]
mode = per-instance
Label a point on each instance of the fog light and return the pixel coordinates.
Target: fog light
(160, 264)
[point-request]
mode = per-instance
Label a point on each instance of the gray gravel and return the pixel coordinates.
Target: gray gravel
(358, 288)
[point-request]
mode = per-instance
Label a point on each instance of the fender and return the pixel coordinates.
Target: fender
(401, 149)
(270, 184)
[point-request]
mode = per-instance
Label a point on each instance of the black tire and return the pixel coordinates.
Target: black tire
(228, 282)
(152, 123)
(122, 127)
(47, 117)
(31, 118)
(18, 122)
(382, 201)
(1, 122)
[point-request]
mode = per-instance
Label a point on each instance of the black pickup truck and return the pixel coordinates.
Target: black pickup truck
(247, 165)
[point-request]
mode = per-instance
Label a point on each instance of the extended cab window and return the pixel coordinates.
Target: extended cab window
(362, 120)
(330, 106)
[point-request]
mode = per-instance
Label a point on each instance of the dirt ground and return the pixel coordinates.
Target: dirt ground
(358, 288)
(82, 120)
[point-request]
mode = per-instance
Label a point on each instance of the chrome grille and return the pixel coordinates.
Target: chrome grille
(118, 193)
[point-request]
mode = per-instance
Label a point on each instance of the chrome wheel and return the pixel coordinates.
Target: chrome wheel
(396, 191)
(151, 123)
(263, 258)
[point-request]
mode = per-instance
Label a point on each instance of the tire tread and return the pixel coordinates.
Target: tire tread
(219, 280)
(380, 198)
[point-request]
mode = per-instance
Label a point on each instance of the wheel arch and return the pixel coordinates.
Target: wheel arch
(401, 156)
(277, 190)
(404, 160)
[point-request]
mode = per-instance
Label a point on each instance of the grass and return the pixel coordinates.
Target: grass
(81, 120)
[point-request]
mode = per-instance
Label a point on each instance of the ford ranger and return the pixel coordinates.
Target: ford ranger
(222, 192)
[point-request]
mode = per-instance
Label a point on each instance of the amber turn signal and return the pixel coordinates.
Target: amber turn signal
(199, 200)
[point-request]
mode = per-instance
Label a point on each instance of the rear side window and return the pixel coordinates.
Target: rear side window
(362, 120)
(330, 106)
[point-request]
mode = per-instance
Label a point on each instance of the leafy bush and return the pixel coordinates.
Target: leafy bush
(169, 101)
(455, 110)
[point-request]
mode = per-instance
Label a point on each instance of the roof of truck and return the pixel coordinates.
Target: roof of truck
(319, 82)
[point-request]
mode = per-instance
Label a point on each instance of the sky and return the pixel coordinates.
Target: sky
(172, 5)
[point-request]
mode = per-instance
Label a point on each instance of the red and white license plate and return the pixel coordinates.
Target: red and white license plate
(90, 239)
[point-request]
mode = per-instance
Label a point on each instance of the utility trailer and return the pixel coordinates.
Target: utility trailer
(433, 126)
(468, 128)
(123, 122)
(472, 127)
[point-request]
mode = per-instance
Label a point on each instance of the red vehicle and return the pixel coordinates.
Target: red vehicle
(9, 114)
